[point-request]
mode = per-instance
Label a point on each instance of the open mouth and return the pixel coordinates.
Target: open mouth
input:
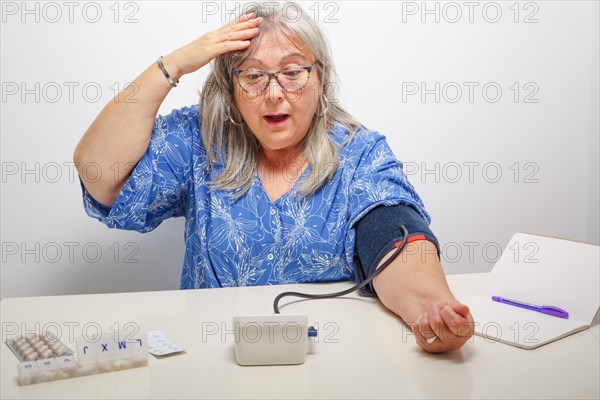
(276, 119)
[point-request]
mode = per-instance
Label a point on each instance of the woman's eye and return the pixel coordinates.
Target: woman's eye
(291, 73)
(254, 76)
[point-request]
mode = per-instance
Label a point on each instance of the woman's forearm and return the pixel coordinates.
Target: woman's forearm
(413, 282)
(415, 288)
(120, 134)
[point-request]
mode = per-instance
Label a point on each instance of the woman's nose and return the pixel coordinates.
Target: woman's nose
(274, 90)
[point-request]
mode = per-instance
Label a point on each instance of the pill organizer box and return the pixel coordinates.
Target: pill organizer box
(45, 358)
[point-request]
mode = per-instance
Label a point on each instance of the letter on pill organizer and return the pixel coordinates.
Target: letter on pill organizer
(86, 351)
(140, 352)
(123, 349)
(105, 348)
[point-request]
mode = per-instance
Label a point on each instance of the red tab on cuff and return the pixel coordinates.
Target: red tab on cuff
(411, 239)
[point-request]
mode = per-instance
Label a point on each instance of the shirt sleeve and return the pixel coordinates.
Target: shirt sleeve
(378, 180)
(157, 187)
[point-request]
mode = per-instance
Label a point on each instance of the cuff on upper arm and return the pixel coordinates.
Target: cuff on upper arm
(378, 232)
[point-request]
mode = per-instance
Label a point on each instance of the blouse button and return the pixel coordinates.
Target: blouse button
(273, 212)
(270, 257)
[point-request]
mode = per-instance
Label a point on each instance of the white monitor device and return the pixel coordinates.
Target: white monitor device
(271, 339)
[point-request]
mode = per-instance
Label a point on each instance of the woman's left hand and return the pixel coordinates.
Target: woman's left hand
(445, 326)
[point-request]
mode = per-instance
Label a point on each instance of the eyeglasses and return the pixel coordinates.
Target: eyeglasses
(291, 79)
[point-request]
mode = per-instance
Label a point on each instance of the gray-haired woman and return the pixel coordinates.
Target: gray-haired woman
(277, 182)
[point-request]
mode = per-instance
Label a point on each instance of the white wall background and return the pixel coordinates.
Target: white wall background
(546, 150)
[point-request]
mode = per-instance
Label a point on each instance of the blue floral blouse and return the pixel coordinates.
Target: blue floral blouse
(251, 240)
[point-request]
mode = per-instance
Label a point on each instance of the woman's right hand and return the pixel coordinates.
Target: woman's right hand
(232, 36)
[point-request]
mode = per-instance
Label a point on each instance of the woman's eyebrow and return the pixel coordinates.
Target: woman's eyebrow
(252, 60)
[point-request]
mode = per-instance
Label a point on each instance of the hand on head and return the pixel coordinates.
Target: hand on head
(235, 35)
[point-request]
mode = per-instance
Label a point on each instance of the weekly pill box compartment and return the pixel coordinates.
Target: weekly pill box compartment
(38, 347)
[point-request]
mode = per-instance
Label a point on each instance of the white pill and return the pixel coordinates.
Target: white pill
(61, 374)
(59, 351)
(33, 338)
(85, 369)
(121, 364)
(46, 353)
(140, 362)
(42, 348)
(45, 376)
(106, 366)
(23, 346)
(27, 352)
(32, 357)
(38, 345)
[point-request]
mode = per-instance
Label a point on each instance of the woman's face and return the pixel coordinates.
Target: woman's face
(279, 119)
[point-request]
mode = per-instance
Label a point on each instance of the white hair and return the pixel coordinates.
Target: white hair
(232, 144)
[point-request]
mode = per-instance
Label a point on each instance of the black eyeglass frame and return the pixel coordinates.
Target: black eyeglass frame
(275, 74)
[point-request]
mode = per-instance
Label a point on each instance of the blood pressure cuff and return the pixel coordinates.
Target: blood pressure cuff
(377, 234)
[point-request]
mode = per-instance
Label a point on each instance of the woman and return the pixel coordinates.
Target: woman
(278, 183)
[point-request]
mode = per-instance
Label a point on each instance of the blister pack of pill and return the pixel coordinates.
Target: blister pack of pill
(160, 345)
(38, 347)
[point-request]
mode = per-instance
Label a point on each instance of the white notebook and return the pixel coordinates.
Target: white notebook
(543, 271)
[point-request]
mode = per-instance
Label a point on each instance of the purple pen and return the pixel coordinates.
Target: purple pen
(550, 310)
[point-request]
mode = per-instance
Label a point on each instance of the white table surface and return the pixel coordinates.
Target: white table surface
(363, 351)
